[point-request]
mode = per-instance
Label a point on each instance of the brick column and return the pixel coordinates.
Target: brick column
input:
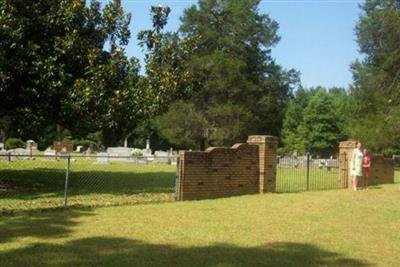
(267, 160)
(345, 153)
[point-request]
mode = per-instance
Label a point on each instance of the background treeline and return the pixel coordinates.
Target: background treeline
(64, 74)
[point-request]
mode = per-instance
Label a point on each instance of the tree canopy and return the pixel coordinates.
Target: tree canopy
(238, 87)
(376, 88)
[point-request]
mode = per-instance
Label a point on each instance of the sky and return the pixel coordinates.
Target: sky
(317, 36)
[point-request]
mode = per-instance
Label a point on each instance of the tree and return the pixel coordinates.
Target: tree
(320, 128)
(189, 126)
(238, 88)
(315, 121)
(376, 89)
(291, 139)
(48, 49)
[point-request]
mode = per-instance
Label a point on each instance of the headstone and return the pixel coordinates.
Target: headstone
(119, 153)
(102, 158)
(161, 156)
(4, 154)
(31, 145)
(1, 146)
(79, 149)
(20, 153)
(50, 153)
(147, 151)
(174, 160)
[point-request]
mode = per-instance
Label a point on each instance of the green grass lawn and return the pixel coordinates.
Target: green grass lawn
(319, 228)
(39, 184)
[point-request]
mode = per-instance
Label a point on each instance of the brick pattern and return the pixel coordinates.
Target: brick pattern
(268, 160)
(222, 172)
(219, 172)
(381, 170)
(345, 152)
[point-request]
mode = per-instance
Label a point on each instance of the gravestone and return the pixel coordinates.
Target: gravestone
(147, 152)
(161, 156)
(1, 146)
(173, 160)
(32, 145)
(119, 153)
(4, 155)
(50, 154)
(20, 153)
(102, 158)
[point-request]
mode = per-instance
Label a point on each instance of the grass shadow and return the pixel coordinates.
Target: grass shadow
(40, 223)
(103, 251)
(28, 183)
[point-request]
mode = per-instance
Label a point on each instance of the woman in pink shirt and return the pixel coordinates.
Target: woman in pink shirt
(366, 167)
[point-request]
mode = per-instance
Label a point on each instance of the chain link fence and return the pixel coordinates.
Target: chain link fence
(43, 182)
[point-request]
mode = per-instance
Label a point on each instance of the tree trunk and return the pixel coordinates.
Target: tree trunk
(60, 130)
(203, 144)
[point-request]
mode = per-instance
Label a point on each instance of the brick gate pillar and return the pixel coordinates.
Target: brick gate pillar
(267, 160)
(345, 153)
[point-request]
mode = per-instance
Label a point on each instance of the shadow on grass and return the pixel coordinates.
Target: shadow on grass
(102, 251)
(28, 183)
(40, 223)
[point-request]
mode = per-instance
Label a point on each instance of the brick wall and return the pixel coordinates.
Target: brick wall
(222, 172)
(381, 170)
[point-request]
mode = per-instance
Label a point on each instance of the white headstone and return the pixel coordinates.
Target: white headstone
(161, 156)
(20, 153)
(1, 146)
(102, 158)
(30, 144)
(147, 144)
(174, 160)
(119, 153)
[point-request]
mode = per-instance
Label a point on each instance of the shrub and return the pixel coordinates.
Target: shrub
(12, 143)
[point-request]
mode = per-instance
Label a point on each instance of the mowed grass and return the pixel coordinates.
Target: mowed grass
(39, 184)
(295, 179)
(319, 228)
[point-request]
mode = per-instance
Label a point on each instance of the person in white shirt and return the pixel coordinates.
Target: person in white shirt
(356, 165)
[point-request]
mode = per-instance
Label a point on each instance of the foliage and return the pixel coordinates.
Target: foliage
(238, 88)
(184, 125)
(12, 143)
(315, 121)
(49, 46)
(376, 88)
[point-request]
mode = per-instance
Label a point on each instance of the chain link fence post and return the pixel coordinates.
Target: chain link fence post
(66, 181)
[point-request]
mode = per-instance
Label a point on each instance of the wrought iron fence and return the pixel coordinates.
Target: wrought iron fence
(295, 174)
(42, 182)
